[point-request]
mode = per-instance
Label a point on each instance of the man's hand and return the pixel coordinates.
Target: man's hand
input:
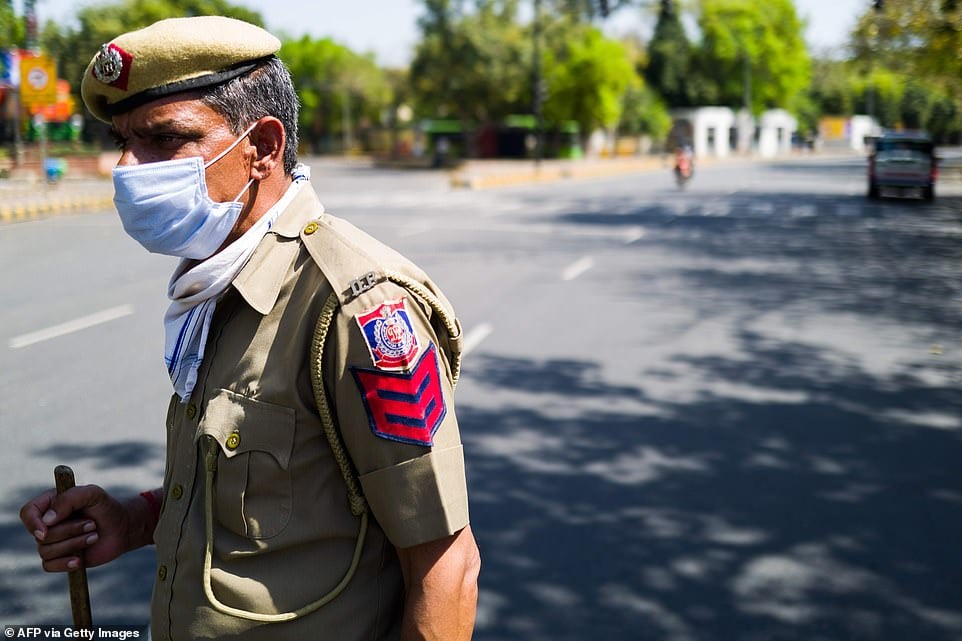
(85, 520)
(441, 583)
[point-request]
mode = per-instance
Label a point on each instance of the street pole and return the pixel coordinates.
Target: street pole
(747, 82)
(538, 97)
(347, 122)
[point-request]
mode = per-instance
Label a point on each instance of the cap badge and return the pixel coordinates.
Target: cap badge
(112, 66)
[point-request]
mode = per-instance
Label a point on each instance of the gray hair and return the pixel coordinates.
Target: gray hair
(266, 91)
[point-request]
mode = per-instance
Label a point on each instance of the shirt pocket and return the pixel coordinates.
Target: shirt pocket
(252, 482)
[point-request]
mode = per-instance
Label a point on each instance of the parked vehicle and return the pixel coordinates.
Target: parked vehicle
(902, 164)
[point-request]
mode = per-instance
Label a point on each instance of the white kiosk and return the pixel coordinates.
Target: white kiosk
(707, 129)
(775, 130)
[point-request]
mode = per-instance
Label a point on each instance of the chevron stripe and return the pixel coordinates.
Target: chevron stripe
(407, 407)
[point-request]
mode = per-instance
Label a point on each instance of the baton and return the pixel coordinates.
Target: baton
(79, 595)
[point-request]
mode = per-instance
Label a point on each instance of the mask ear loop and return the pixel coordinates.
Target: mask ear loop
(232, 145)
(246, 187)
(227, 151)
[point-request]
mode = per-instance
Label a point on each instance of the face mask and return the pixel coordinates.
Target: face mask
(165, 207)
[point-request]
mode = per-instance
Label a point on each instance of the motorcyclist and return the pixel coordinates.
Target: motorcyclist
(684, 156)
(684, 163)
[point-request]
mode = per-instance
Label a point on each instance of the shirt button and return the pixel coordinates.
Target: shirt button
(310, 229)
(191, 411)
(177, 491)
(162, 572)
(233, 441)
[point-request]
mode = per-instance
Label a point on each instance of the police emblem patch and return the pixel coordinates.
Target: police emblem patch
(112, 66)
(389, 335)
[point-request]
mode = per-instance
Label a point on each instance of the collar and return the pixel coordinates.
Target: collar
(260, 281)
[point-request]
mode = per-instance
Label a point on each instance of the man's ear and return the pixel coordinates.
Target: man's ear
(268, 139)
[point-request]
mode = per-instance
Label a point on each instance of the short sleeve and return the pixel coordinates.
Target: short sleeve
(394, 402)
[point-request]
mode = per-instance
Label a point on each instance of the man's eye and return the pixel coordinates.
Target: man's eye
(120, 143)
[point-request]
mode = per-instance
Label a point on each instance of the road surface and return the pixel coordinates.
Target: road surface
(728, 412)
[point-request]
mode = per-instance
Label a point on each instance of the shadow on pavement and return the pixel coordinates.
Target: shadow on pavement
(796, 491)
(895, 259)
(119, 591)
(825, 513)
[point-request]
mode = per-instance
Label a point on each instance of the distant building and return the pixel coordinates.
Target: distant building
(706, 129)
(847, 132)
(719, 131)
(774, 134)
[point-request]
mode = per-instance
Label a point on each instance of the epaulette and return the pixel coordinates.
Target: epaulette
(355, 263)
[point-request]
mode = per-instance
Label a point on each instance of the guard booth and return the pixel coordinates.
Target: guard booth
(706, 129)
(776, 128)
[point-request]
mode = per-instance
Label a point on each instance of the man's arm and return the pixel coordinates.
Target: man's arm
(441, 583)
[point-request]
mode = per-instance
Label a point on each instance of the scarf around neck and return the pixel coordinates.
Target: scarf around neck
(195, 288)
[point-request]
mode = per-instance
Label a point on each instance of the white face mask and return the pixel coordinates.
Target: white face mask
(165, 207)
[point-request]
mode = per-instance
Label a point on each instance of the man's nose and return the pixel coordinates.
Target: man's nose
(128, 158)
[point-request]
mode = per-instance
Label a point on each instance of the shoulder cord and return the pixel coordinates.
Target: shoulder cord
(355, 497)
(358, 503)
(450, 322)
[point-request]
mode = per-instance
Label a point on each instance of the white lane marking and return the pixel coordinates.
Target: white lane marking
(633, 233)
(577, 268)
(71, 326)
(473, 338)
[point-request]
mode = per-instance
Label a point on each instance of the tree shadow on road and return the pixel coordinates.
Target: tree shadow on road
(797, 490)
(824, 513)
(119, 591)
(844, 254)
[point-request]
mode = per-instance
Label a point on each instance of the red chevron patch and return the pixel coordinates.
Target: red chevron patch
(407, 407)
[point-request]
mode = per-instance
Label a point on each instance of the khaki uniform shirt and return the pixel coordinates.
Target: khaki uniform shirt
(281, 531)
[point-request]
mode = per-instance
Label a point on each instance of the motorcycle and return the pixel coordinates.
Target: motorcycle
(683, 169)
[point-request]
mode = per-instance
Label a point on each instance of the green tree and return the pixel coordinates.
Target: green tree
(921, 42)
(473, 63)
(338, 88)
(587, 76)
(833, 87)
(644, 112)
(643, 109)
(750, 47)
(921, 37)
(11, 27)
(880, 95)
(669, 57)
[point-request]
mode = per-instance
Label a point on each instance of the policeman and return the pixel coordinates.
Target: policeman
(314, 484)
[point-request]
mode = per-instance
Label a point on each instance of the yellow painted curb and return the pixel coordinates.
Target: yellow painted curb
(551, 174)
(33, 211)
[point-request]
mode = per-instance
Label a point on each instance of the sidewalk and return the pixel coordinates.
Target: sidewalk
(22, 200)
(488, 174)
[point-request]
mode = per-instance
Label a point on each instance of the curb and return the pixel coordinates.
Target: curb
(34, 211)
(545, 174)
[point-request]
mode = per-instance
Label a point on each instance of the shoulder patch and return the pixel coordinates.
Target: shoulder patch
(407, 407)
(389, 335)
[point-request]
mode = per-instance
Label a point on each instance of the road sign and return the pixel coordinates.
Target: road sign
(38, 80)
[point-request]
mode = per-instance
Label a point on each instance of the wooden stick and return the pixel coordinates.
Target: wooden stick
(79, 594)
